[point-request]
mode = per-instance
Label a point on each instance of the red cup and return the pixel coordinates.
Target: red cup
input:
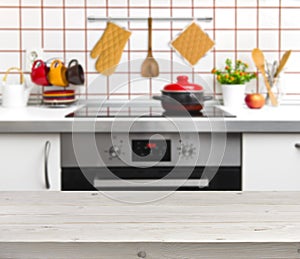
(39, 73)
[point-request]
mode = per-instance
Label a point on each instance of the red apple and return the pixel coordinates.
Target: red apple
(255, 101)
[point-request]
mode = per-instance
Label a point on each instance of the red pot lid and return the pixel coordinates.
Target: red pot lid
(183, 84)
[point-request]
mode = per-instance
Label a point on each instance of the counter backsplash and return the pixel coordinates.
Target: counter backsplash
(61, 29)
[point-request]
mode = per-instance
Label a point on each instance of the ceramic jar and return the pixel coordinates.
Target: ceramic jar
(233, 95)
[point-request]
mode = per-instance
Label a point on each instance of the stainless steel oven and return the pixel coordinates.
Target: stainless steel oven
(151, 161)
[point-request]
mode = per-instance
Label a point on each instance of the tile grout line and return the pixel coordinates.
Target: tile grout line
(64, 30)
(193, 15)
(279, 29)
(257, 41)
(107, 78)
(20, 38)
(150, 79)
(86, 49)
(235, 30)
(128, 54)
(171, 36)
(214, 50)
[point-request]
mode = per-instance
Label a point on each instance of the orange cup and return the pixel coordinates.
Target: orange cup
(57, 73)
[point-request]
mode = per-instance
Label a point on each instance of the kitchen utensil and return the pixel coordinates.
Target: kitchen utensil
(75, 74)
(259, 60)
(282, 62)
(109, 48)
(150, 66)
(274, 68)
(182, 96)
(57, 73)
(269, 72)
(39, 73)
(192, 44)
(272, 72)
(15, 95)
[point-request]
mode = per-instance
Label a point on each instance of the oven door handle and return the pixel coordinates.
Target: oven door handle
(165, 183)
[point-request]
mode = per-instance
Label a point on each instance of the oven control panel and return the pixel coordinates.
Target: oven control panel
(152, 149)
(149, 150)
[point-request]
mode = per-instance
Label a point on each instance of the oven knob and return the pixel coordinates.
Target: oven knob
(187, 151)
(114, 151)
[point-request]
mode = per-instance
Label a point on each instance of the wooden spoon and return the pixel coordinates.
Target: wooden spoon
(259, 60)
(150, 66)
(282, 62)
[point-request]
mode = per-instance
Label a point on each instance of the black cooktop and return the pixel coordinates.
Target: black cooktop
(146, 111)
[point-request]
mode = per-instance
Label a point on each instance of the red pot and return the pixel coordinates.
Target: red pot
(182, 85)
(182, 96)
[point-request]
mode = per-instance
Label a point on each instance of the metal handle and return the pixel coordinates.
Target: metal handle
(167, 183)
(46, 156)
(156, 97)
(95, 19)
(207, 98)
(297, 145)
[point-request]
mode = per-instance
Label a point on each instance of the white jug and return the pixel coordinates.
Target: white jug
(15, 95)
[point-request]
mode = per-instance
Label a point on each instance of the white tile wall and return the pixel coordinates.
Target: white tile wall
(75, 19)
(53, 18)
(11, 41)
(9, 18)
(269, 18)
(31, 18)
(61, 29)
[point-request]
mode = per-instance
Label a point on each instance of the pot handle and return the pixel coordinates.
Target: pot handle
(207, 98)
(157, 97)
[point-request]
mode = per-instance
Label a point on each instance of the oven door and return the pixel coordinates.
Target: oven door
(154, 178)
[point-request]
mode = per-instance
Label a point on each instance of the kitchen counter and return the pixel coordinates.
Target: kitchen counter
(143, 225)
(41, 119)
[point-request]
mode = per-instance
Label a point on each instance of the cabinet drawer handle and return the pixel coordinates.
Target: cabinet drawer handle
(46, 154)
(297, 145)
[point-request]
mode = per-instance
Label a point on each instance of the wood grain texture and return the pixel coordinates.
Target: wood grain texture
(151, 250)
(182, 225)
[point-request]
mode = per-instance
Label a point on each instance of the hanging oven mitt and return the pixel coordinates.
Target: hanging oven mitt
(108, 50)
(192, 44)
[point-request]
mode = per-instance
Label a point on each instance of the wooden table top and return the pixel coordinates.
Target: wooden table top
(139, 217)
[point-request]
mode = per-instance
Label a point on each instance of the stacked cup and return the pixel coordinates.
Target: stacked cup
(57, 75)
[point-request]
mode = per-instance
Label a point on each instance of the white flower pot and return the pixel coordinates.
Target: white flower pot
(233, 95)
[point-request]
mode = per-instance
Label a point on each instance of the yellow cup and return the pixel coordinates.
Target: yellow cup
(57, 73)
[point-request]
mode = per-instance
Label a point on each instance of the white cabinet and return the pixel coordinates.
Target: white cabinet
(29, 162)
(271, 162)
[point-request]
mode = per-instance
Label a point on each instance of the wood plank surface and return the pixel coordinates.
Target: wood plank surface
(35, 222)
(150, 250)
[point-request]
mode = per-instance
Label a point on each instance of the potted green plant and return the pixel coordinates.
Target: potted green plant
(233, 79)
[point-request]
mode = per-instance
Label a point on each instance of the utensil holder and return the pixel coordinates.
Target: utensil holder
(277, 89)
